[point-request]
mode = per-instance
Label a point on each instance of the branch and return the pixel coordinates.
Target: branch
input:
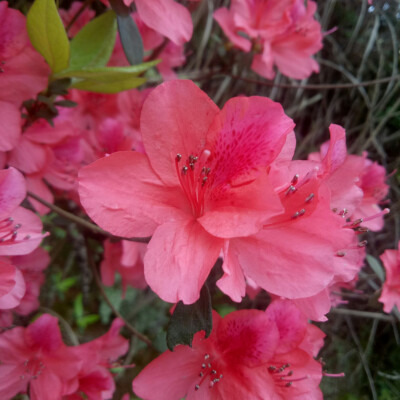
(86, 224)
(363, 314)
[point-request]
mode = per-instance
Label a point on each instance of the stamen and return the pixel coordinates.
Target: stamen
(178, 157)
(340, 254)
(309, 197)
(290, 189)
(295, 179)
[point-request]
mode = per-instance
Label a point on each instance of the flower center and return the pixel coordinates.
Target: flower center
(283, 376)
(194, 177)
(208, 372)
(9, 231)
(33, 368)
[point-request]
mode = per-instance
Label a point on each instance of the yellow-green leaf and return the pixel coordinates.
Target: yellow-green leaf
(106, 72)
(109, 85)
(47, 34)
(94, 43)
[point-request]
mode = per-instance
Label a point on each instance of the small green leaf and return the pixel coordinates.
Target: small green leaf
(91, 85)
(130, 39)
(67, 283)
(189, 319)
(47, 34)
(78, 306)
(94, 43)
(107, 73)
(376, 267)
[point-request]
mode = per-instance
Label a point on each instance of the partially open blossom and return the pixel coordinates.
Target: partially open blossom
(280, 32)
(390, 296)
(250, 354)
(95, 380)
(35, 360)
(201, 181)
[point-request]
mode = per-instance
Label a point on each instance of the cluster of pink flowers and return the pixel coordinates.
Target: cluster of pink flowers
(35, 360)
(282, 33)
(204, 183)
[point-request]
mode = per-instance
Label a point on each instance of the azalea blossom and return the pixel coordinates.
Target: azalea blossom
(390, 296)
(98, 356)
(250, 354)
(35, 360)
(200, 181)
(280, 32)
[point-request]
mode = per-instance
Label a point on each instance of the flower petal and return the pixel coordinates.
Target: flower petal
(123, 195)
(179, 258)
(175, 119)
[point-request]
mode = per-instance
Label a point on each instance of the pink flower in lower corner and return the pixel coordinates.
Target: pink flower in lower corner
(250, 354)
(35, 360)
(280, 32)
(390, 296)
(201, 181)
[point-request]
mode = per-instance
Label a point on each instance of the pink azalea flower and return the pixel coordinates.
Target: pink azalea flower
(390, 296)
(282, 33)
(202, 180)
(125, 258)
(250, 354)
(357, 184)
(34, 360)
(20, 229)
(95, 379)
(23, 73)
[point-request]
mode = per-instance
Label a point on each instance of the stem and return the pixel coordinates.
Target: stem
(78, 13)
(363, 314)
(99, 284)
(319, 86)
(86, 224)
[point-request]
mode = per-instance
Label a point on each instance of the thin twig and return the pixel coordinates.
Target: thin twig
(78, 13)
(84, 223)
(99, 284)
(363, 314)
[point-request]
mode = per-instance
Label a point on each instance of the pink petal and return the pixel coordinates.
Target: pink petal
(232, 282)
(129, 199)
(44, 334)
(10, 126)
(315, 307)
(12, 191)
(181, 253)
(247, 135)
(184, 114)
(170, 376)
(243, 210)
(15, 294)
(167, 17)
(37, 186)
(28, 237)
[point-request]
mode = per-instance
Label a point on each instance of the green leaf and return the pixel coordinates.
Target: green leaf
(107, 73)
(109, 86)
(189, 319)
(78, 306)
(93, 45)
(130, 39)
(376, 267)
(47, 34)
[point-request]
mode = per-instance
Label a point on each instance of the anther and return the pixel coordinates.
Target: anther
(361, 229)
(309, 197)
(271, 368)
(334, 210)
(289, 384)
(295, 179)
(204, 181)
(295, 215)
(178, 157)
(213, 371)
(340, 254)
(17, 226)
(203, 366)
(362, 244)
(184, 170)
(302, 212)
(206, 356)
(290, 189)
(197, 387)
(201, 374)
(191, 165)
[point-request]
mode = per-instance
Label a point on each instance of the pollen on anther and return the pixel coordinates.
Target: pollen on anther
(309, 197)
(295, 179)
(178, 157)
(197, 387)
(184, 170)
(340, 254)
